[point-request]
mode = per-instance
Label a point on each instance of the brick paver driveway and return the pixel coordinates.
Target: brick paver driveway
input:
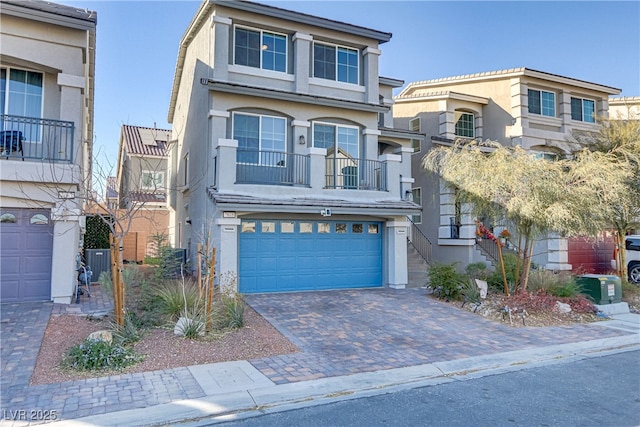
(344, 332)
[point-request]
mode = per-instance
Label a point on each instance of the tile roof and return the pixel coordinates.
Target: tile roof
(143, 197)
(365, 205)
(144, 141)
(501, 73)
(56, 9)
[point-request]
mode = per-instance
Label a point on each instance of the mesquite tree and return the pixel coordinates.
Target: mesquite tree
(620, 138)
(571, 197)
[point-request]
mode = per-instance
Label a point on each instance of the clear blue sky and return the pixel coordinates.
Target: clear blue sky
(596, 41)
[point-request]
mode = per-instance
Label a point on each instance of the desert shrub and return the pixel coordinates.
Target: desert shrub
(131, 275)
(129, 332)
(495, 279)
(477, 270)
(232, 313)
(92, 355)
(470, 291)
(562, 285)
(192, 323)
(446, 281)
(175, 296)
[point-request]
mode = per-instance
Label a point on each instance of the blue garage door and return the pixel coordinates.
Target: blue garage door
(282, 255)
(26, 245)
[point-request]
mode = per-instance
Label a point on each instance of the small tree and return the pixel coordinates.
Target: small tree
(621, 139)
(572, 197)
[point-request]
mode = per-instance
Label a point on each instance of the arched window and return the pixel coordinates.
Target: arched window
(8, 218)
(39, 219)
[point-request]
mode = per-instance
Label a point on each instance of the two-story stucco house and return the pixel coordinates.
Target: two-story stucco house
(142, 188)
(283, 155)
(533, 109)
(47, 61)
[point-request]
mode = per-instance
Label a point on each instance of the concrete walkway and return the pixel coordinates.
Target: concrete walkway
(353, 343)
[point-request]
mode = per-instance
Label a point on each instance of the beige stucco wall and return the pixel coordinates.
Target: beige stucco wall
(63, 55)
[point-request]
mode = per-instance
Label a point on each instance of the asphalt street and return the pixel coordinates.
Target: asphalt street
(598, 391)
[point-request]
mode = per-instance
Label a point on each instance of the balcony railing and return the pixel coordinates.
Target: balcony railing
(30, 138)
(355, 174)
(271, 167)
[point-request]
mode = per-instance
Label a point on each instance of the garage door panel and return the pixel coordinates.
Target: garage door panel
(10, 265)
(26, 251)
(10, 289)
(304, 258)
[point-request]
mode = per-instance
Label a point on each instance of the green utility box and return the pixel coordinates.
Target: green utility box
(602, 288)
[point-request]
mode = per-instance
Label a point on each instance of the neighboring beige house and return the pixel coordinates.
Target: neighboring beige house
(533, 109)
(624, 108)
(285, 158)
(141, 184)
(47, 62)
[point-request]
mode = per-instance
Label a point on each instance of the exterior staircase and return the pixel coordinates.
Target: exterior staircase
(417, 268)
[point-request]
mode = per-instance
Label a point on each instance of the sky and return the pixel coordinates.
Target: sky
(595, 41)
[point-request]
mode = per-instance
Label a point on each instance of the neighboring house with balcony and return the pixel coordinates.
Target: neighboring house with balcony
(517, 107)
(47, 63)
(141, 184)
(284, 156)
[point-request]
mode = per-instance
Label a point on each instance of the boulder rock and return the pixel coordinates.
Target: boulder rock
(562, 307)
(185, 323)
(103, 335)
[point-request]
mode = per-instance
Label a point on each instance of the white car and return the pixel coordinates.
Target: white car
(632, 245)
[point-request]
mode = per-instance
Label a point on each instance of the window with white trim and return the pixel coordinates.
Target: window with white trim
(260, 49)
(185, 169)
(465, 124)
(583, 110)
(337, 63)
(260, 138)
(152, 180)
(415, 125)
(21, 92)
(542, 102)
(416, 193)
(337, 138)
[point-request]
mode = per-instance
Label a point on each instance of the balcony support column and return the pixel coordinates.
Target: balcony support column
(317, 167)
(396, 251)
(226, 149)
(393, 174)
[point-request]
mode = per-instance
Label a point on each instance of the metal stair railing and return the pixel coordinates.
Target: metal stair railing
(420, 242)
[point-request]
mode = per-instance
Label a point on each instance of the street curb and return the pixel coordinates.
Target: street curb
(276, 398)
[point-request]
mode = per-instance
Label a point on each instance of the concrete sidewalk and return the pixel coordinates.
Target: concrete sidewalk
(236, 390)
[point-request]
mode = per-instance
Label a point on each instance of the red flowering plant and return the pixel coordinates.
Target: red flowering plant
(484, 231)
(489, 235)
(505, 234)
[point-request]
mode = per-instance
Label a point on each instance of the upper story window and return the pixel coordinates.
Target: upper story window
(341, 139)
(335, 63)
(152, 180)
(258, 137)
(542, 102)
(21, 92)
(260, 49)
(465, 125)
(416, 194)
(583, 110)
(415, 125)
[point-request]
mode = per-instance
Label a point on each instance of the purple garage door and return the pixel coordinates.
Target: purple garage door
(26, 244)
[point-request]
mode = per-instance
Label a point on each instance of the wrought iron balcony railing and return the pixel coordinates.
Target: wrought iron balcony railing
(356, 174)
(271, 167)
(31, 138)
